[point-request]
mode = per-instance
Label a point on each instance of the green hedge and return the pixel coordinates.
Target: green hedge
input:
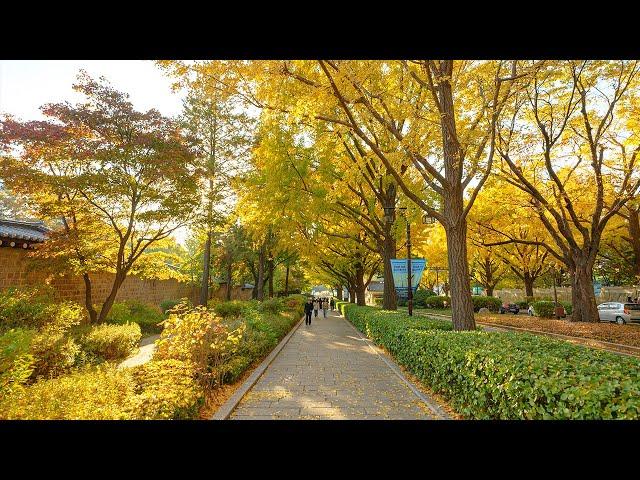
(545, 309)
(505, 375)
(420, 297)
(491, 303)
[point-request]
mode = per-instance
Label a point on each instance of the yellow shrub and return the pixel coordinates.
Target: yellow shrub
(103, 393)
(200, 337)
(112, 342)
(166, 390)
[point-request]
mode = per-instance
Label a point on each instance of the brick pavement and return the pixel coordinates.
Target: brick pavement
(328, 371)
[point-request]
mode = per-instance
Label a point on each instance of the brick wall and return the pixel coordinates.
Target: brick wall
(15, 271)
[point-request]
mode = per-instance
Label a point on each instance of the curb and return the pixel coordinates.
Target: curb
(229, 406)
(437, 410)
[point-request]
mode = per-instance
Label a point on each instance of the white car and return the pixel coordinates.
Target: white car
(619, 312)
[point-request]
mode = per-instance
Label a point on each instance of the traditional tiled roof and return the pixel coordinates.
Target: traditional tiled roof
(30, 230)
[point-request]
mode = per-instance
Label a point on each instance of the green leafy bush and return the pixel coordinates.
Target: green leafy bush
(544, 309)
(523, 304)
(231, 308)
(111, 342)
(505, 375)
(491, 303)
(166, 389)
(271, 305)
(29, 307)
(437, 301)
(131, 311)
(420, 297)
(16, 363)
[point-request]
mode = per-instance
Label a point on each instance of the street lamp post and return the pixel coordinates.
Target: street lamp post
(426, 219)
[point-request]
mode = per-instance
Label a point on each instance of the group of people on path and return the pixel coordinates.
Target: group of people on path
(314, 305)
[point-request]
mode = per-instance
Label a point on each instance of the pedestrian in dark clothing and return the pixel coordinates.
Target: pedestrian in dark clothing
(332, 303)
(308, 308)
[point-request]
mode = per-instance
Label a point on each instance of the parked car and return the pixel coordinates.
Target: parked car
(619, 312)
(509, 307)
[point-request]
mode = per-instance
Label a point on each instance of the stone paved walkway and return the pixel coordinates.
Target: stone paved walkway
(328, 371)
(147, 347)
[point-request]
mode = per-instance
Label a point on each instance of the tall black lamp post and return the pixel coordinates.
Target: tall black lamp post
(388, 215)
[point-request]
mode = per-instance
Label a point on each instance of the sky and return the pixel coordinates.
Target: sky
(25, 85)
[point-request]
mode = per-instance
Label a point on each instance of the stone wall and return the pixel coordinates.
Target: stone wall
(15, 272)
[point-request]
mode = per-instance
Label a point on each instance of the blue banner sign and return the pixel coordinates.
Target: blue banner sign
(399, 270)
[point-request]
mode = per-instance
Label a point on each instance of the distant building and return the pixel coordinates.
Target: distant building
(373, 294)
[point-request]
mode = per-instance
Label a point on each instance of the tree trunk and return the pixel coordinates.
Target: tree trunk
(108, 303)
(229, 280)
(360, 294)
(490, 291)
(461, 302)
(634, 235)
(528, 284)
(389, 296)
(93, 315)
(260, 285)
(583, 297)
(352, 295)
(270, 264)
(286, 282)
(204, 287)
(339, 293)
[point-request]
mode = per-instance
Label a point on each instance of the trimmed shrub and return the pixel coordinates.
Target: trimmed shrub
(111, 342)
(523, 304)
(491, 303)
(544, 309)
(505, 375)
(437, 302)
(420, 297)
(166, 389)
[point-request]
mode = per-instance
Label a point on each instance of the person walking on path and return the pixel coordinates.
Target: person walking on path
(325, 306)
(332, 304)
(308, 307)
(316, 306)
